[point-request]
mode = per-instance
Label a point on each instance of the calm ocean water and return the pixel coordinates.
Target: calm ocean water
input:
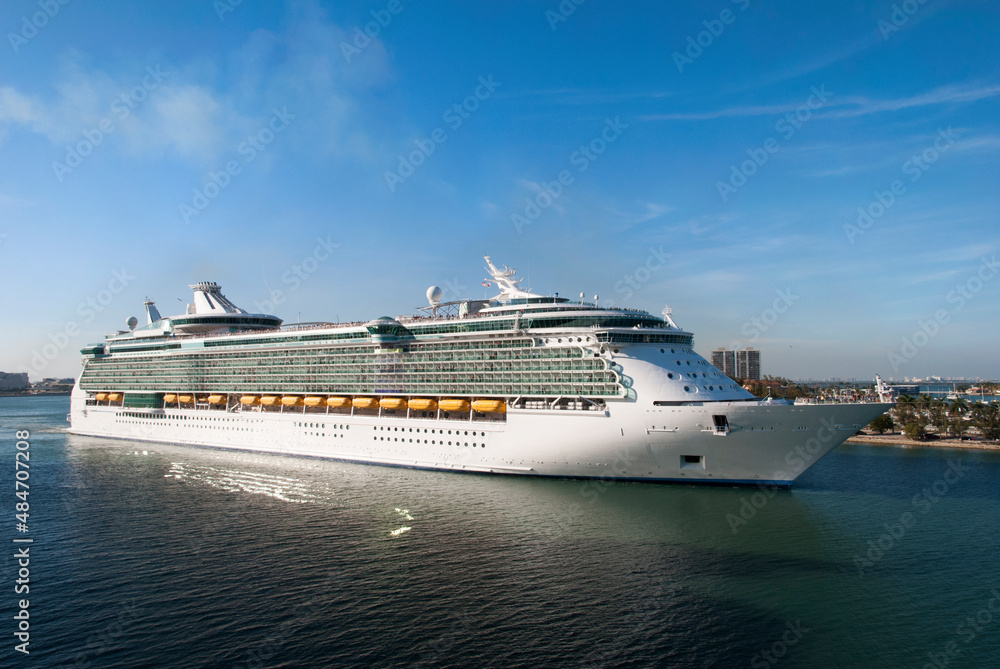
(165, 556)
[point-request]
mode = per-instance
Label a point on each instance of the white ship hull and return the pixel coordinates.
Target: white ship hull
(765, 443)
(544, 387)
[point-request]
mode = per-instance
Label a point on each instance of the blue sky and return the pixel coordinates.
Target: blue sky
(817, 180)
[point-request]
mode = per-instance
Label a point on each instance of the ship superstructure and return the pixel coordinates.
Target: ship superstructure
(519, 383)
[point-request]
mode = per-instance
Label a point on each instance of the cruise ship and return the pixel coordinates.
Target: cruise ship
(520, 383)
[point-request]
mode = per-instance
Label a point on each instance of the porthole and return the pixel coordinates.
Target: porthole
(670, 375)
(687, 389)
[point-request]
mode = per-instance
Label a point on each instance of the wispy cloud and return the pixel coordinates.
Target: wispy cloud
(939, 96)
(800, 69)
(186, 112)
(843, 107)
(12, 201)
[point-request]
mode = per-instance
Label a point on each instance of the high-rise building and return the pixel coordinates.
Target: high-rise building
(725, 362)
(743, 364)
(748, 363)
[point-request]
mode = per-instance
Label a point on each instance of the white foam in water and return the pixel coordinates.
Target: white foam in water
(279, 487)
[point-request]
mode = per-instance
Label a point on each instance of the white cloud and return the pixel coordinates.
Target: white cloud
(200, 111)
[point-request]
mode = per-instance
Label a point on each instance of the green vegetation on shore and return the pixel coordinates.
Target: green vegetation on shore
(955, 418)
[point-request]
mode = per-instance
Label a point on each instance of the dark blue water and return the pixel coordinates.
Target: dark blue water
(164, 556)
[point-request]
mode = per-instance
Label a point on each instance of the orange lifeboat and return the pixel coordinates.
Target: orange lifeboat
(454, 405)
(365, 402)
(250, 400)
(423, 404)
(489, 406)
(392, 403)
(312, 401)
(338, 402)
(291, 401)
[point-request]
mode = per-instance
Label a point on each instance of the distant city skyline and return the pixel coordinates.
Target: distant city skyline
(816, 181)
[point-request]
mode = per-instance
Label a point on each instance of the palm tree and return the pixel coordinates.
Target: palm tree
(938, 414)
(989, 422)
(957, 410)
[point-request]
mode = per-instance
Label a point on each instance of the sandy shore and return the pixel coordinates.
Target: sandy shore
(902, 440)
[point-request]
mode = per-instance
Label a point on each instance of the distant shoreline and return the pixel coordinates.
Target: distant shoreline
(903, 440)
(33, 393)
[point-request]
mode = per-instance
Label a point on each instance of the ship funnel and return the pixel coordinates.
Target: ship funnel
(152, 313)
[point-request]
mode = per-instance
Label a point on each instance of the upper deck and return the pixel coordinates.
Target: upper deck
(212, 322)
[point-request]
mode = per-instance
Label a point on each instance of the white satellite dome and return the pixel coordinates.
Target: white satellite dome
(434, 295)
